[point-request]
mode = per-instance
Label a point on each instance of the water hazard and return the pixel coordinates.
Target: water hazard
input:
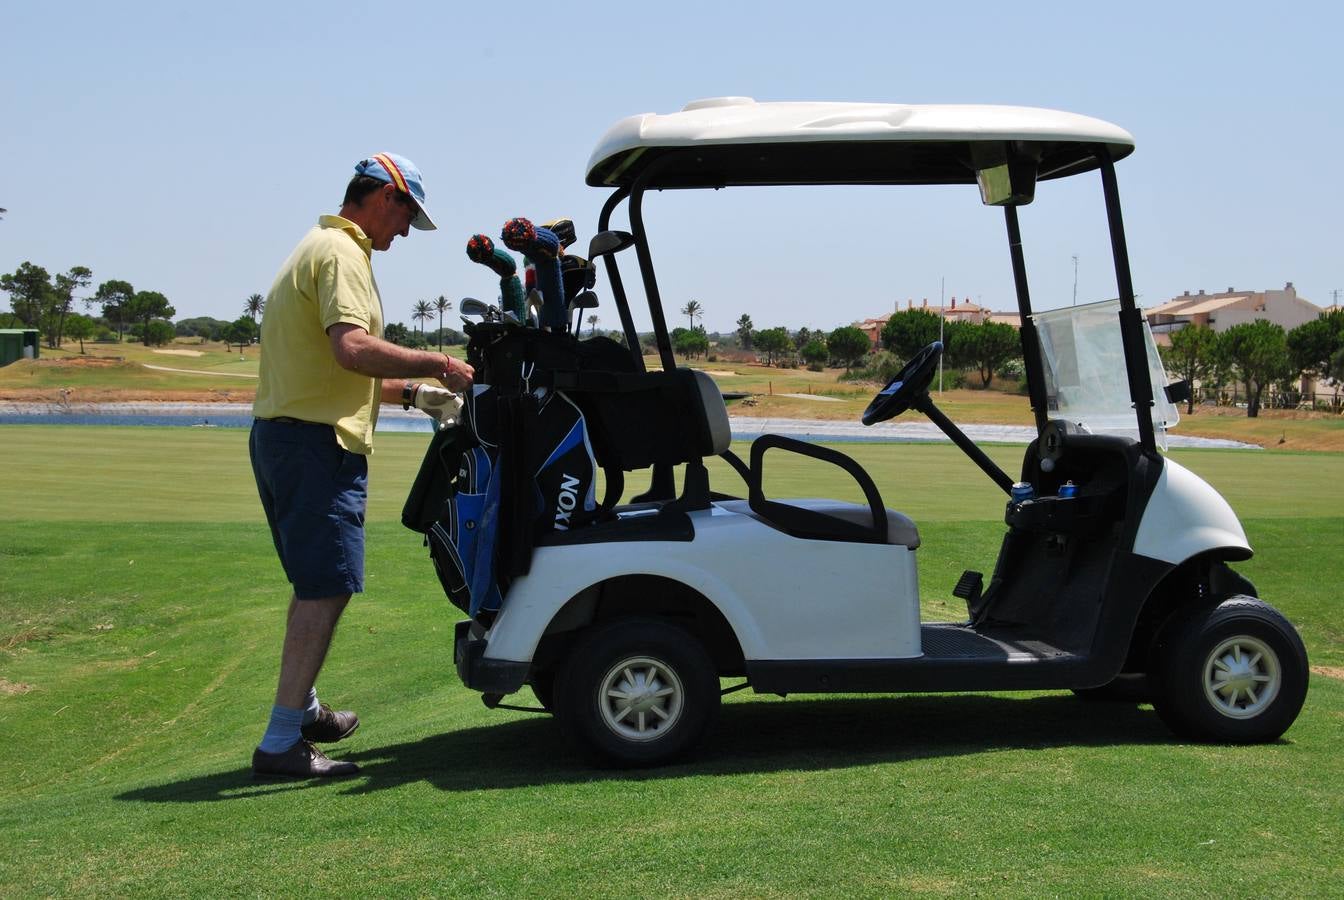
(744, 428)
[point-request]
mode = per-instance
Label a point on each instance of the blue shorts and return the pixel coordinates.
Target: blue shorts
(315, 493)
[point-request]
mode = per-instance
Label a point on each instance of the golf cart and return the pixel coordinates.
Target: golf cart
(1114, 560)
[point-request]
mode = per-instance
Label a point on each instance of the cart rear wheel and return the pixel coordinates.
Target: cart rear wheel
(1236, 673)
(637, 692)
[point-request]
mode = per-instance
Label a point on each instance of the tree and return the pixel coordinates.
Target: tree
(158, 332)
(690, 342)
(1313, 344)
(693, 310)
(744, 327)
(774, 341)
(592, 324)
(145, 306)
(1257, 354)
(1336, 370)
(988, 346)
(848, 345)
(815, 353)
(30, 289)
(206, 327)
(442, 304)
(397, 333)
(1191, 357)
(240, 332)
(115, 296)
(253, 306)
(78, 327)
(958, 344)
(909, 331)
(67, 283)
(802, 337)
(422, 312)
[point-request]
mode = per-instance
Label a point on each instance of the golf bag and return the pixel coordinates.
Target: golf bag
(515, 469)
(547, 410)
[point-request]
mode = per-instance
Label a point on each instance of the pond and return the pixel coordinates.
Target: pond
(391, 419)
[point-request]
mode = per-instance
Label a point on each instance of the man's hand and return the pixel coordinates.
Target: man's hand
(457, 375)
(441, 404)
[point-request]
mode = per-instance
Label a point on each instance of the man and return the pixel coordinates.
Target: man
(323, 373)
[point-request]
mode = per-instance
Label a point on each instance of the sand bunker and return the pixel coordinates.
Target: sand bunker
(811, 397)
(181, 352)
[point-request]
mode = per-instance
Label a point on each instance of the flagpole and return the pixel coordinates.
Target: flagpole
(942, 283)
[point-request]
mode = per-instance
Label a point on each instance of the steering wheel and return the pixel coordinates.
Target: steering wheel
(909, 383)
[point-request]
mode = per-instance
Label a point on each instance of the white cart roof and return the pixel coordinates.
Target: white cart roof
(741, 141)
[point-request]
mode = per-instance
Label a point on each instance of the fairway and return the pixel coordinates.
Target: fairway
(141, 608)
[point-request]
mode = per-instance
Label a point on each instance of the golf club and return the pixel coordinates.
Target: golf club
(606, 242)
(542, 248)
(583, 300)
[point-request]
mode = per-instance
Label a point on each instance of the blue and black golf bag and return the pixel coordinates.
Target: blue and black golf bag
(519, 465)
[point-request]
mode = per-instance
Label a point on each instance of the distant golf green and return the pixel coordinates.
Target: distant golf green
(141, 608)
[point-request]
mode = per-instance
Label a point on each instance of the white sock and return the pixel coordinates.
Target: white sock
(311, 710)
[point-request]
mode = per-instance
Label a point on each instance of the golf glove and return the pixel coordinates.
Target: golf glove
(440, 403)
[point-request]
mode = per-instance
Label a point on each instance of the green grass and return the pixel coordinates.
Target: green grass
(140, 616)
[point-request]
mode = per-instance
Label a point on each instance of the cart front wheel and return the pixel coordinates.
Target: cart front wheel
(1235, 673)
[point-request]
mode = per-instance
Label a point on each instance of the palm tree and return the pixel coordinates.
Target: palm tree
(422, 312)
(744, 329)
(254, 305)
(592, 325)
(442, 304)
(692, 310)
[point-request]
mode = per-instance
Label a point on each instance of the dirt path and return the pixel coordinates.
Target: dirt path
(198, 372)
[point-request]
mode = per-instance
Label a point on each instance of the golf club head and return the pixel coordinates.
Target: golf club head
(564, 230)
(511, 318)
(584, 300)
(576, 274)
(606, 242)
(470, 306)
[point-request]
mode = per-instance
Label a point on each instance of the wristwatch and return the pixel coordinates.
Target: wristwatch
(408, 394)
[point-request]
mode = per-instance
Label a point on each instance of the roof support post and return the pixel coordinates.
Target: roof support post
(646, 264)
(617, 286)
(1131, 319)
(1031, 344)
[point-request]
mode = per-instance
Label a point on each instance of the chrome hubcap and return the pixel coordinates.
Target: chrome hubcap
(640, 698)
(1241, 677)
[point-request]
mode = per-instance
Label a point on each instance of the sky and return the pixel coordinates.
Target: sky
(186, 148)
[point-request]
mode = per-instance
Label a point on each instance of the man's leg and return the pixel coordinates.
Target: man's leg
(301, 471)
(308, 633)
(283, 751)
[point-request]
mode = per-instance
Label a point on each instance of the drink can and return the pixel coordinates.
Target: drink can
(1022, 490)
(1068, 489)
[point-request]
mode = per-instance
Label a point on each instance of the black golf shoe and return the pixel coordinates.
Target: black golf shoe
(330, 726)
(303, 760)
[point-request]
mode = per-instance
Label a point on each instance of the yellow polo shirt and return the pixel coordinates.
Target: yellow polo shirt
(327, 279)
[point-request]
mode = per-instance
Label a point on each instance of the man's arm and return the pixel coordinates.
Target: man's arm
(358, 351)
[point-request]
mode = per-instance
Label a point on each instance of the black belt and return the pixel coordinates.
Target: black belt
(286, 420)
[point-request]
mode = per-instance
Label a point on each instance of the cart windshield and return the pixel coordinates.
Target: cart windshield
(1085, 370)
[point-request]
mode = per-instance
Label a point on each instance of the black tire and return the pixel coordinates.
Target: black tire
(669, 685)
(1232, 673)
(1128, 687)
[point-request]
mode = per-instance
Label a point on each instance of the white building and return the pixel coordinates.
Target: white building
(1232, 307)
